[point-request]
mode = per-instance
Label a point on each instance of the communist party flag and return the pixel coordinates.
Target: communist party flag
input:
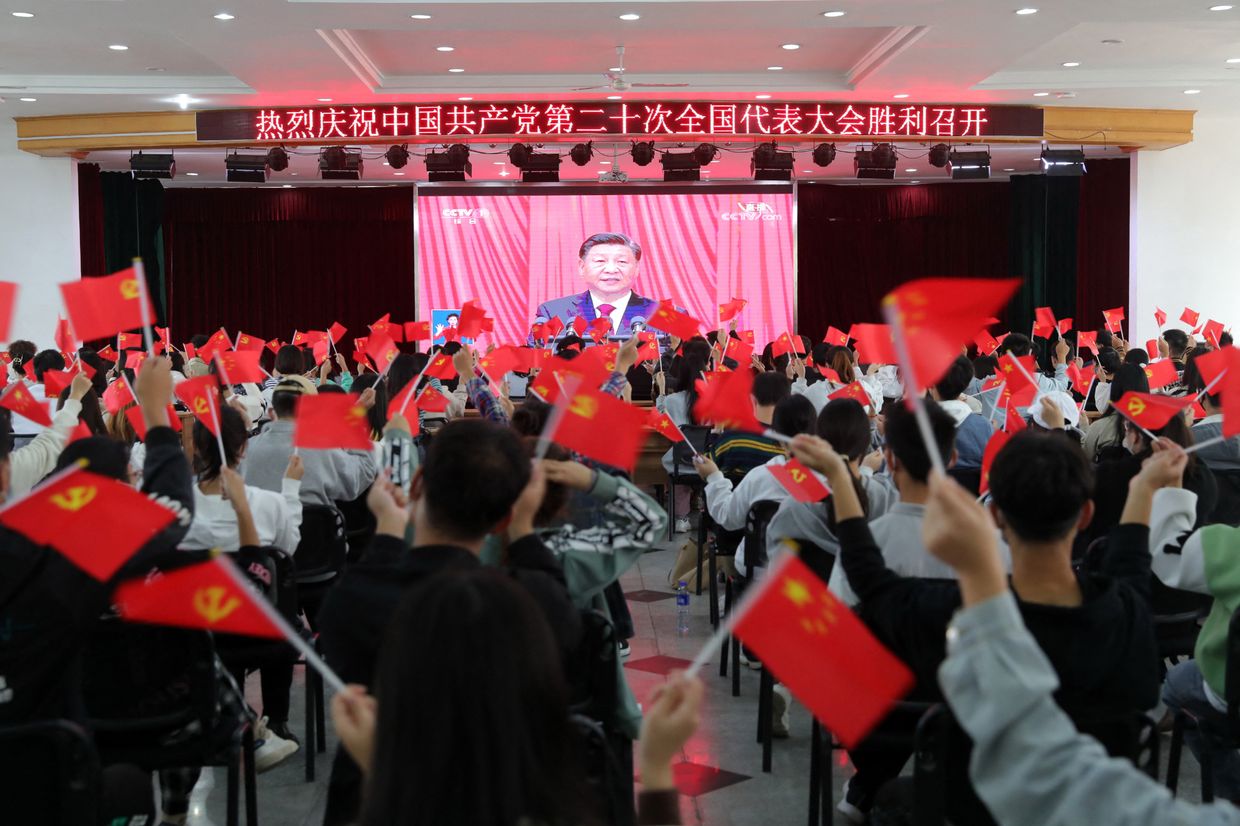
(129, 341)
(211, 595)
(835, 336)
(299, 338)
(1113, 319)
(138, 422)
(332, 420)
(854, 391)
(939, 315)
(241, 366)
(817, 648)
(731, 309)
(8, 302)
(995, 444)
(383, 327)
(801, 482)
(662, 423)
(1045, 322)
(1149, 411)
(19, 400)
(1161, 373)
(245, 341)
(499, 362)
(1088, 340)
(738, 350)
(96, 522)
(218, 343)
(1160, 316)
(440, 367)
(986, 343)
(727, 401)
(648, 348)
(1190, 317)
(672, 321)
(474, 321)
(417, 330)
(197, 394)
(103, 307)
(601, 427)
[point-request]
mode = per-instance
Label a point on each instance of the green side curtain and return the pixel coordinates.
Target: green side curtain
(1042, 244)
(133, 220)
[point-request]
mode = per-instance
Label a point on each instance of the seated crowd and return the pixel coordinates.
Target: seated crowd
(471, 597)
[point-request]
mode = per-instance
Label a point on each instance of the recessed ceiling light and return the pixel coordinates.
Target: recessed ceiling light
(914, 182)
(445, 49)
(117, 47)
(23, 14)
(1112, 41)
(398, 173)
(616, 69)
(763, 97)
(1009, 170)
(286, 186)
(420, 16)
(456, 71)
(910, 170)
(774, 68)
(1233, 60)
(630, 16)
(465, 98)
(1192, 91)
(1041, 94)
(1026, 11)
(613, 97)
(28, 100)
(900, 96)
(792, 47)
(192, 174)
(498, 163)
(1221, 8)
(834, 13)
(224, 16)
(605, 163)
(183, 100)
(292, 173)
(385, 163)
(324, 100)
(1071, 64)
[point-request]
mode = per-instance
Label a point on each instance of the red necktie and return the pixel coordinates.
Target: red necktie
(605, 310)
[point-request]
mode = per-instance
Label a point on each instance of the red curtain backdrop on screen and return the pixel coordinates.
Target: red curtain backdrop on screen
(269, 261)
(514, 252)
(90, 219)
(1102, 240)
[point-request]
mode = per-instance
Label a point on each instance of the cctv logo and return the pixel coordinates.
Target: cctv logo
(463, 215)
(752, 211)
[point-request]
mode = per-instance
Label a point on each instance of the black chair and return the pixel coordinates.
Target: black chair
(682, 454)
(1227, 510)
(969, 478)
(49, 773)
(756, 520)
(320, 558)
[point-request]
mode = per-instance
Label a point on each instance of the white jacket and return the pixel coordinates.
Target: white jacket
(30, 463)
(277, 516)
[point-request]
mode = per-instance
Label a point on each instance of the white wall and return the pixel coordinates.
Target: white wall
(39, 245)
(1185, 238)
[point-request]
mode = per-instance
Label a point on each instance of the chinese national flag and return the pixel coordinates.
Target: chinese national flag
(1013, 422)
(1150, 411)
(1213, 364)
(245, 341)
(218, 343)
(473, 319)
(1160, 316)
(738, 350)
(440, 367)
(800, 481)
(1081, 379)
(835, 336)
(129, 341)
(940, 315)
(431, 400)
(1161, 373)
(589, 371)
(138, 423)
(499, 361)
(874, 344)
(824, 655)
(8, 302)
(1019, 380)
(601, 427)
(319, 350)
(1212, 330)
(383, 327)
(1045, 323)
(1190, 317)
(1088, 340)
(829, 374)
(359, 342)
(103, 307)
(211, 595)
(1113, 319)
(599, 328)
(64, 336)
(96, 522)
(787, 343)
(117, 395)
(109, 354)
(986, 343)
(19, 400)
(336, 332)
(241, 367)
(672, 321)
(730, 310)
(382, 350)
(417, 331)
(553, 327)
(1064, 326)
(54, 381)
(578, 326)
(853, 391)
(332, 420)
(1151, 348)
(197, 395)
(997, 440)
(663, 423)
(648, 349)
(726, 401)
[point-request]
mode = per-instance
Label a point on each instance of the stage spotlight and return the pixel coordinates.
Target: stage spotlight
(581, 153)
(397, 156)
(969, 165)
(643, 153)
(1063, 162)
(770, 164)
(681, 166)
(940, 154)
(277, 159)
(144, 165)
(536, 167)
(451, 165)
(705, 153)
(877, 162)
(824, 154)
(339, 164)
(250, 169)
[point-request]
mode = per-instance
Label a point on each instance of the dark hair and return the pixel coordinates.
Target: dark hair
(1104, 338)
(6, 433)
(91, 414)
(984, 366)
(771, 388)
(821, 353)
(609, 238)
(206, 449)
(1136, 356)
(955, 380)
(329, 387)
(1040, 482)
(1177, 341)
(905, 441)
(101, 367)
(842, 364)
(1195, 383)
(22, 351)
(530, 417)
(103, 455)
(1018, 344)
(474, 471)
(178, 360)
(403, 369)
(284, 403)
(696, 347)
(377, 415)
(793, 415)
(1176, 429)
(199, 339)
(1225, 339)
(47, 360)
(1109, 360)
(568, 347)
(498, 703)
(288, 360)
(556, 495)
(844, 423)
(457, 316)
(687, 371)
(1129, 377)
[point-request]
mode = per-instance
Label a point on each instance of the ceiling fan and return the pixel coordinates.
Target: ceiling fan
(617, 83)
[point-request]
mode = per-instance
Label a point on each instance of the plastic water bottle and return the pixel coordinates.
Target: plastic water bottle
(682, 608)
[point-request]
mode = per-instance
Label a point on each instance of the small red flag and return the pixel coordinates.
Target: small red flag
(241, 367)
(553, 327)
(441, 367)
(1160, 316)
(106, 352)
(211, 595)
(103, 307)
(1045, 323)
(54, 381)
(8, 303)
(129, 341)
(1151, 348)
(80, 431)
(382, 350)
(331, 420)
(499, 362)
(727, 401)
(836, 336)
(672, 321)
(731, 309)
(599, 328)
(138, 422)
(648, 349)
(64, 336)
(738, 350)
(1190, 317)
(1161, 373)
(1013, 422)
(601, 427)
(829, 374)
(245, 341)
(801, 482)
(997, 440)
(1114, 319)
(1081, 380)
(538, 331)
(393, 331)
(360, 342)
(319, 350)
(417, 331)
(589, 372)
(787, 343)
(578, 326)
(1213, 364)
(299, 338)
(117, 395)
(874, 344)
(94, 521)
(824, 655)
(1150, 411)
(1088, 340)
(18, 399)
(1064, 326)
(197, 395)
(855, 391)
(1212, 330)
(218, 343)
(473, 320)
(986, 343)
(1018, 379)
(336, 332)
(661, 422)
(431, 400)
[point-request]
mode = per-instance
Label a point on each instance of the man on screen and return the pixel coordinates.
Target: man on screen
(609, 264)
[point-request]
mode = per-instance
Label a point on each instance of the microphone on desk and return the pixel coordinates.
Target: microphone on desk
(637, 325)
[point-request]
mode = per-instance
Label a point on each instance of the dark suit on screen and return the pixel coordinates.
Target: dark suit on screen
(571, 306)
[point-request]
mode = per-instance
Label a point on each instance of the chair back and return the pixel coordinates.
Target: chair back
(696, 435)
(322, 551)
(756, 521)
(49, 773)
(1227, 510)
(591, 669)
(969, 478)
(609, 778)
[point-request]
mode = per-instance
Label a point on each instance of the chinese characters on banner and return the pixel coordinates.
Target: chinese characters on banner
(654, 119)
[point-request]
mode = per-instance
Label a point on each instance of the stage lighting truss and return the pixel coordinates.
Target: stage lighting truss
(969, 164)
(879, 161)
(336, 163)
(450, 165)
(247, 169)
(1063, 162)
(148, 165)
(770, 163)
(536, 167)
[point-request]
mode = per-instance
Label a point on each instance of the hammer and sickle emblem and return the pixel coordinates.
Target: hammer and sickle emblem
(798, 475)
(1136, 407)
(214, 603)
(129, 288)
(75, 498)
(200, 406)
(584, 406)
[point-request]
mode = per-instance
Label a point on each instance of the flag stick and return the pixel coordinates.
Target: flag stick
(1217, 440)
(1210, 386)
(919, 407)
(558, 412)
(777, 436)
(219, 432)
(144, 302)
(413, 385)
(683, 436)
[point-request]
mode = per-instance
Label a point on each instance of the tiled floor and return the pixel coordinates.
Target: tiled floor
(721, 776)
